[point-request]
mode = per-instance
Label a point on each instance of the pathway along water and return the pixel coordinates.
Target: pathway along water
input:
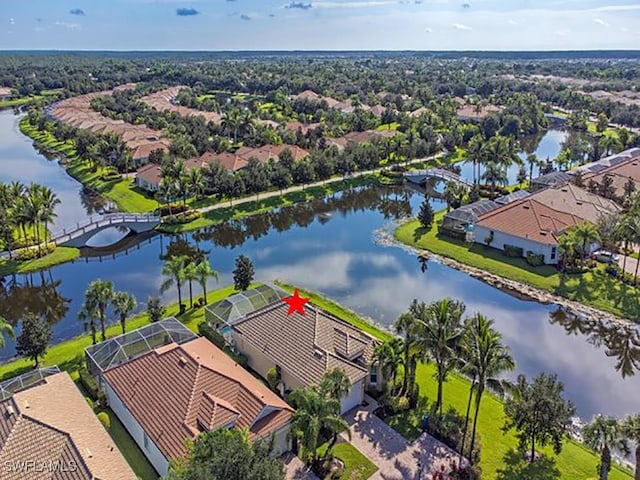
(330, 246)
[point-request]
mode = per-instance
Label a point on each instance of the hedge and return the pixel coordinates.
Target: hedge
(513, 251)
(32, 253)
(534, 259)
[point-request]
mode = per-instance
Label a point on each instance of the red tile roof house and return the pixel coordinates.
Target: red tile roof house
(527, 224)
(176, 391)
(48, 431)
(302, 347)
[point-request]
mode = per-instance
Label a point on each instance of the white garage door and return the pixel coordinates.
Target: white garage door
(354, 398)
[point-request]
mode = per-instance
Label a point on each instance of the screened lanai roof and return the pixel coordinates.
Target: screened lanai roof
(238, 306)
(120, 349)
(24, 381)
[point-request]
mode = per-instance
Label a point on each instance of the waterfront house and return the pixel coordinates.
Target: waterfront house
(302, 348)
(552, 179)
(48, 430)
(149, 177)
(526, 224)
(164, 368)
(577, 201)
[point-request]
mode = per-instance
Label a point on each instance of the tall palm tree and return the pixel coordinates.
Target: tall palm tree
(533, 161)
(123, 304)
(6, 330)
(173, 269)
(631, 431)
(99, 295)
(568, 249)
(494, 174)
(602, 434)
(388, 356)
(314, 412)
(231, 123)
(439, 332)
(204, 272)
(49, 202)
(586, 234)
(190, 275)
(488, 358)
(406, 325)
(88, 314)
(197, 182)
(474, 154)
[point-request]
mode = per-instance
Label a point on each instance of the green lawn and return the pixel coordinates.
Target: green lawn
(356, 465)
(19, 101)
(594, 288)
(388, 126)
(66, 354)
(59, 255)
(122, 192)
(576, 462)
(130, 450)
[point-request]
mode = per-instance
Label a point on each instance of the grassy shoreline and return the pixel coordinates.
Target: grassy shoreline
(594, 288)
(575, 462)
(58, 256)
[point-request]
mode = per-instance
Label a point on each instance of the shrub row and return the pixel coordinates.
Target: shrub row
(534, 259)
(90, 384)
(184, 217)
(171, 209)
(513, 251)
(25, 254)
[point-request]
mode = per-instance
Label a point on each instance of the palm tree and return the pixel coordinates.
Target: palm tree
(631, 431)
(533, 161)
(88, 314)
(405, 325)
(190, 275)
(204, 272)
(49, 202)
(173, 269)
(196, 182)
(99, 295)
(602, 434)
(335, 384)
(488, 358)
(123, 304)
(568, 249)
(6, 330)
(231, 122)
(439, 331)
(494, 174)
(314, 412)
(474, 154)
(388, 357)
(585, 234)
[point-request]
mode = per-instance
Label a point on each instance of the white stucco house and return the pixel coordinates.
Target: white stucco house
(526, 224)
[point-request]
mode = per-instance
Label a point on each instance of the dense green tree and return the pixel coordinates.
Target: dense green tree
(155, 309)
(243, 273)
(227, 454)
(34, 338)
(426, 214)
(603, 434)
(538, 412)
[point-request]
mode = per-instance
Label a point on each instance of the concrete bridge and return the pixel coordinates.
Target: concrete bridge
(79, 235)
(421, 176)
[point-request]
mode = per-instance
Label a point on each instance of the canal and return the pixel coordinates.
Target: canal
(332, 246)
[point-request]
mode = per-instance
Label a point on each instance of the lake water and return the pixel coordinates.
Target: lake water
(331, 246)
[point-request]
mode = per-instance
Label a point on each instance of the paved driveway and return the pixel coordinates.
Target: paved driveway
(396, 458)
(295, 469)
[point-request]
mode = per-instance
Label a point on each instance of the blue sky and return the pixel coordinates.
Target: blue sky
(325, 24)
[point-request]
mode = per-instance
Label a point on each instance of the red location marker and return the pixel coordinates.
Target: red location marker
(296, 303)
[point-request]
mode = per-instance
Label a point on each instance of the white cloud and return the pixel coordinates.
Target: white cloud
(616, 8)
(599, 21)
(12, 21)
(428, 30)
(562, 33)
(68, 26)
(461, 26)
(511, 21)
(366, 4)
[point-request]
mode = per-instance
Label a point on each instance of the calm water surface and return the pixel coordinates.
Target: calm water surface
(339, 254)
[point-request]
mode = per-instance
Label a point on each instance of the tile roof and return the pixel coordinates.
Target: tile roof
(162, 100)
(529, 219)
(194, 384)
(229, 161)
(308, 345)
(577, 201)
(150, 173)
(52, 422)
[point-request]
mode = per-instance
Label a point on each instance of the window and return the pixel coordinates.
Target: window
(373, 375)
(553, 253)
(145, 440)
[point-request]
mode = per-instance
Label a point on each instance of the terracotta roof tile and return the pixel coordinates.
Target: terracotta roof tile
(52, 422)
(190, 382)
(529, 219)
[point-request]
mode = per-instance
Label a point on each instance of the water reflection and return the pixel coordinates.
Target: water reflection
(234, 233)
(43, 298)
(621, 342)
